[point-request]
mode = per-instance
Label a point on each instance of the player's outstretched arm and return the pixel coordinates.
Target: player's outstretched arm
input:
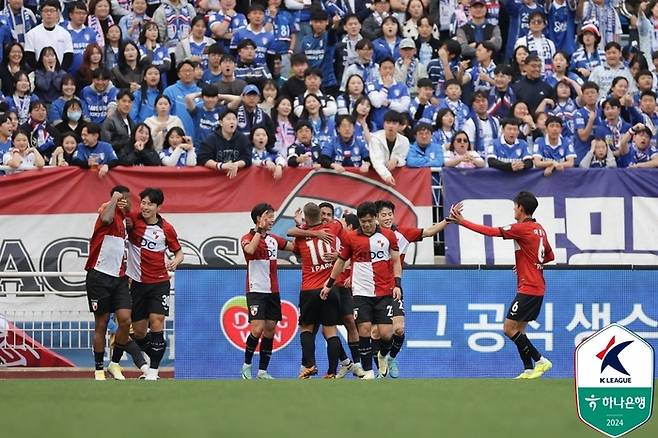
(335, 272)
(435, 229)
(300, 232)
(456, 217)
(107, 215)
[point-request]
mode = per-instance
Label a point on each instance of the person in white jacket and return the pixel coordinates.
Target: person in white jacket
(388, 148)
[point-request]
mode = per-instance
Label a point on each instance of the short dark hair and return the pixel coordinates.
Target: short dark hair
(120, 189)
(318, 14)
(532, 58)
(612, 45)
(125, 92)
(259, 210)
(366, 208)
(383, 203)
(528, 201)
(246, 42)
(351, 220)
(341, 118)
(393, 116)
(553, 119)
(303, 124)
(386, 59)
(449, 82)
(227, 57)
(227, 112)
(185, 62)
(422, 127)
(92, 128)
(155, 195)
(216, 49)
(482, 94)
(77, 5)
(327, 205)
(312, 72)
(453, 47)
(510, 121)
(101, 73)
(298, 58)
(488, 45)
(537, 14)
(53, 3)
(648, 93)
(589, 85)
(424, 82)
(503, 69)
(611, 101)
(363, 43)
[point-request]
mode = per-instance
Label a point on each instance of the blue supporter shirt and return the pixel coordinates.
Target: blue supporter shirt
(397, 96)
(636, 155)
(348, 154)
(81, 39)
(319, 52)
(566, 111)
(323, 136)
(612, 133)
(519, 14)
(98, 103)
(176, 94)
(428, 114)
(430, 156)
(508, 153)
(205, 121)
(238, 21)
(182, 160)
(285, 24)
(559, 152)
(384, 50)
(262, 39)
(143, 109)
(580, 119)
(561, 27)
(102, 150)
(461, 111)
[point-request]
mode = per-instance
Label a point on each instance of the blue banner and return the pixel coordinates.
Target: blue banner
(453, 323)
(592, 216)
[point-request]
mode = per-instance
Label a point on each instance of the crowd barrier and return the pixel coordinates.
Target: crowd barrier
(453, 324)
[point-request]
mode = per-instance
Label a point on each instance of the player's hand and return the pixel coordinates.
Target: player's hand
(324, 236)
(122, 204)
(348, 282)
(298, 217)
(456, 214)
(330, 257)
(264, 223)
(397, 293)
(171, 265)
(324, 293)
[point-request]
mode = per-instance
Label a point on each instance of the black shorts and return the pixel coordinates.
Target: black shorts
(264, 306)
(398, 307)
(314, 310)
(377, 310)
(525, 307)
(106, 293)
(149, 298)
(346, 301)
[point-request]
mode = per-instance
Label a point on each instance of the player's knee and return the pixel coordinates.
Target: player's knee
(510, 328)
(257, 331)
(399, 330)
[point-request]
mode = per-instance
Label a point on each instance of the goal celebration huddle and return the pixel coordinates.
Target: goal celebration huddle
(352, 272)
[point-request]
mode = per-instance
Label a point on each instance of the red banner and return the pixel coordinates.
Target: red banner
(19, 350)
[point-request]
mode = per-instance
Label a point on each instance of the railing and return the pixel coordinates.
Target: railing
(437, 209)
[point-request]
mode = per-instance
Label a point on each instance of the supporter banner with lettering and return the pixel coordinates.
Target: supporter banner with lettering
(591, 216)
(454, 320)
(47, 216)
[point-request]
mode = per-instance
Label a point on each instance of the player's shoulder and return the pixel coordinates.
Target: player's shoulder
(388, 233)
(410, 233)
(246, 238)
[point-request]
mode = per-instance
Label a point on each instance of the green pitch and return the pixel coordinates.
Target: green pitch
(478, 408)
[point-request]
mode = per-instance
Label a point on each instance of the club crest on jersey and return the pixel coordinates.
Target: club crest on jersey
(356, 313)
(94, 305)
(253, 310)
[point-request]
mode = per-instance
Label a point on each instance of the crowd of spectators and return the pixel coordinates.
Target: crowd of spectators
(334, 84)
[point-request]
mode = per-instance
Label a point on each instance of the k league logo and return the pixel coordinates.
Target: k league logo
(614, 380)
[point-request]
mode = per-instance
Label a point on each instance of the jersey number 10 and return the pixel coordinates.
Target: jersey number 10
(317, 254)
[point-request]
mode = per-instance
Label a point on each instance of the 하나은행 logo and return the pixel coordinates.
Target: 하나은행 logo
(234, 320)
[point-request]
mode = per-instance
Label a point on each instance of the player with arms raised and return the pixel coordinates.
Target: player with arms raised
(261, 249)
(376, 270)
(532, 250)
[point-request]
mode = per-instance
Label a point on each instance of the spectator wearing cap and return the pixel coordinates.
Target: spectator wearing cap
(588, 55)
(536, 43)
(387, 93)
(255, 32)
(599, 156)
(421, 108)
(553, 151)
(635, 149)
(482, 129)
(226, 149)
(561, 29)
(250, 115)
(118, 127)
(49, 34)
(228, 83)
(174, 18)
(531, 89)
(100, 96)
(509, 153)
(320, 47)
(213, 73)
(195, 46)
(388, 45)
(424, 152)
(304, 152)
(408, 69)
(176, 93)
(614, 66)
(477, 30)
(372, 26)
(247, 68)
(388, 148)
(363, 66)
(312, 81)
(205, 109)
(604, 15)
(347, 150)
(481, 75)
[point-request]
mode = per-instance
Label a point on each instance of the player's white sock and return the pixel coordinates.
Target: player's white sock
(542, 360)
(113, 363)
(346, 362)
(144, 368)
(527, 371)
(261, 372)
